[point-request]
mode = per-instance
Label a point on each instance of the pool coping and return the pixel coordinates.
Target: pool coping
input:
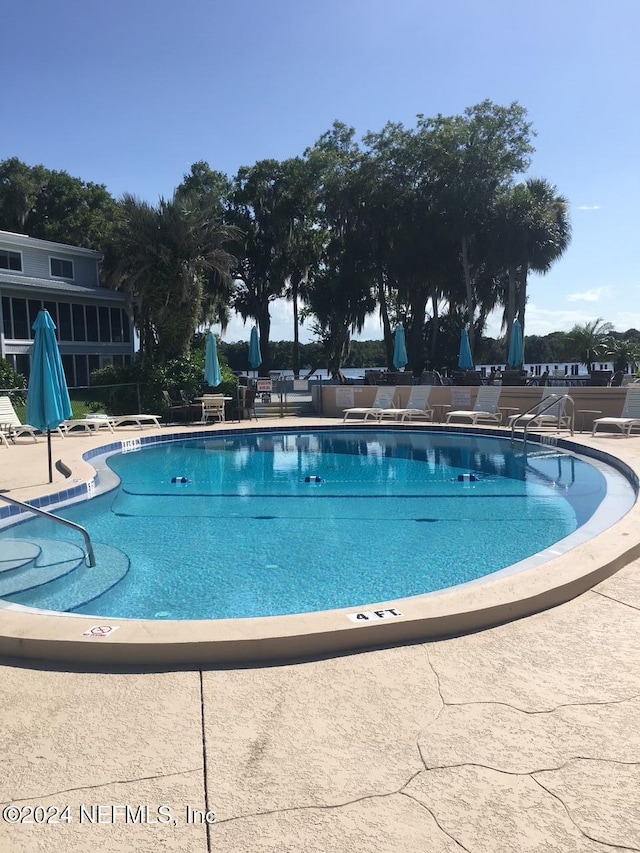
(64, 637)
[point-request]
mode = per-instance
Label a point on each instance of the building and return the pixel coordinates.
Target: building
(92, 325)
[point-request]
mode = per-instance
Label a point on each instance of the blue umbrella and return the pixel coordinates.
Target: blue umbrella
(212, 373)
(399, 350)
(465, 361)
(48, 403)
(516, 348)
(255, 358)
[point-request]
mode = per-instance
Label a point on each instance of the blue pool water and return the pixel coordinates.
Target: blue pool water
(251, 532)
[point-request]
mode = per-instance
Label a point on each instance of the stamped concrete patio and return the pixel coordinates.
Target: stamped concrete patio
(524, 737)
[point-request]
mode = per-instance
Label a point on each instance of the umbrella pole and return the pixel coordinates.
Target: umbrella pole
(49, 452)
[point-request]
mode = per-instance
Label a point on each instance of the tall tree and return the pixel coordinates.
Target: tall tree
(161, 258)
(470, 158)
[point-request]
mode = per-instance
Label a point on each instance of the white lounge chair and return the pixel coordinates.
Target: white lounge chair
(417, 406)
(139, 419)
(630, 416)
(10, 423)
(485, 407)
(554, 416)
(383, 400)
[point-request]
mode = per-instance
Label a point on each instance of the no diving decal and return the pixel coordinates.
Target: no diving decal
(99, 632)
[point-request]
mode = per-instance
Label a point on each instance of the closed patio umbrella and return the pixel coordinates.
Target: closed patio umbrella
(212, 373)
(48, 403)
(465, 361)
(399, 349)
(516, 346)
(255, 357)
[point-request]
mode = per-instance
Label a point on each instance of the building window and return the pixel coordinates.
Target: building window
(65, 332)
(10, 260)
(92, 323)
(79, 328)
(20, 321)
(7, 326)
(105, 331)
(61, 268)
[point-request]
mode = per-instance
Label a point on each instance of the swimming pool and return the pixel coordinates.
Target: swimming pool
(277, 523)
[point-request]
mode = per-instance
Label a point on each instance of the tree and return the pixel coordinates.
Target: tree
(623, 352)
(55, 206)
(470, 158)
(162, 258)
(589, 341)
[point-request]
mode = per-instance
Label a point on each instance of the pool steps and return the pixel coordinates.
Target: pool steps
(52, 574)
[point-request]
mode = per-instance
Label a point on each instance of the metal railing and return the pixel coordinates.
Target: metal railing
(540, 408)
(89, 556)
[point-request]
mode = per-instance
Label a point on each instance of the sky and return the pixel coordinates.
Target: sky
(130, 93)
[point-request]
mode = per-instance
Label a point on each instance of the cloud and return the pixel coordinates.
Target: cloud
(594, 294)
(587, 207)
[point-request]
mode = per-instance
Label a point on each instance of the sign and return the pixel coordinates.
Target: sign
(263, 385)
(369, 617)
(99, 632)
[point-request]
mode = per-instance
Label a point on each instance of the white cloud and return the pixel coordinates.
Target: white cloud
(587, 207)
(594, 294)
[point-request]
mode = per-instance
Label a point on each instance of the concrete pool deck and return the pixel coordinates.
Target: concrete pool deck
(522, 737)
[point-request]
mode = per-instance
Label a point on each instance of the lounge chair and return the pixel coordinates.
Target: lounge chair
(554, 416)
(485, 407)
(90, 423)
(630, 416)
(417, 407)
(10, 423)
(139, 419)
(383, 400)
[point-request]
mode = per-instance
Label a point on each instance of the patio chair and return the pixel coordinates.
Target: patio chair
(485, 407)
(140, 419)
(384, 398)
(10, 423)
(247, 403)
(213, 407)
(555, 416)
(417, 406)
(630, 416)
(177, 409)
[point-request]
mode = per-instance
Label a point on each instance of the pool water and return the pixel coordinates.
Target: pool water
(274, 523)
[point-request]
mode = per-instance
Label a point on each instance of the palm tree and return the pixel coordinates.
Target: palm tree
(589, 341)
(173, 265)
(530, 231)
(623, 352)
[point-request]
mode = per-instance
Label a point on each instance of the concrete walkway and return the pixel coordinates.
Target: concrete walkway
(525, 737)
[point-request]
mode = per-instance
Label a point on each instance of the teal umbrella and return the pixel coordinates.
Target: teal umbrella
(48, 403)
(255, 357)
(399, 350)
(516, 347)
(465, 361)
(212, 373)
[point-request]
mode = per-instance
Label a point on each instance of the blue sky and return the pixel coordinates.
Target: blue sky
(130, 93)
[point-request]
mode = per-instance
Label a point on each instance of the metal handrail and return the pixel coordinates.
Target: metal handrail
(87, 541)
(550, 401)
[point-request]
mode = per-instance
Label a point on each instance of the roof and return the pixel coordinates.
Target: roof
(48, 284)
(24, 240)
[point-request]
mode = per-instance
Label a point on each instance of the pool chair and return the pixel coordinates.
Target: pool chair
(485, 407)
(417, 407)
(383, 400)
(10, 423)
(212, 407)
(548, 414)
(139, 419)
(630, 416)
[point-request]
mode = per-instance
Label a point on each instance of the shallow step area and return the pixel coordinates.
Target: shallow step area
(57, 577)
(16, 554)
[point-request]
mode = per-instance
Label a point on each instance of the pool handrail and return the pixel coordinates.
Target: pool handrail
(542, 406)
(89, 556)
